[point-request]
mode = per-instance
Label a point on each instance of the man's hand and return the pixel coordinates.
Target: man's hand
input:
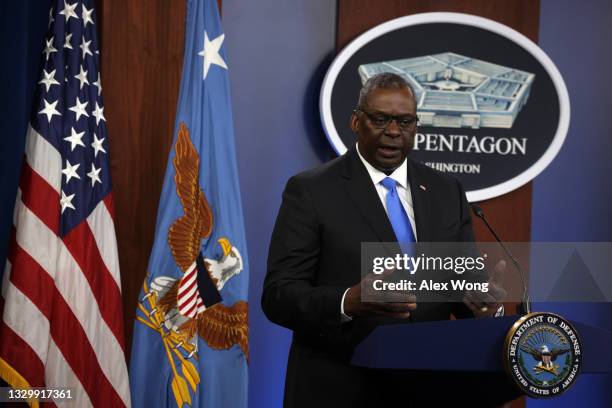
(398, 307)
(486, 304)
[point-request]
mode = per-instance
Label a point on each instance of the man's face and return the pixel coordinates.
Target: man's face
(385, 147)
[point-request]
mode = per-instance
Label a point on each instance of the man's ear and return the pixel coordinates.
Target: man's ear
(354, 122)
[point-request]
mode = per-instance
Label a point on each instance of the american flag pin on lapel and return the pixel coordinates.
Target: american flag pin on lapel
(422, 187)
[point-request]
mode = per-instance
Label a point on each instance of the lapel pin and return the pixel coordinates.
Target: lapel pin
(422, 187)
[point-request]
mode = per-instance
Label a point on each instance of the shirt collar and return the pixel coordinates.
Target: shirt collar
(400, 175)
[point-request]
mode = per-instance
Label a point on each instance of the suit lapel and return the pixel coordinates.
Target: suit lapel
(420, 202)
(363, 194)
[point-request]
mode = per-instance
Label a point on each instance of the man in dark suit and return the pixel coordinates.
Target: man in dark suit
(313, 281)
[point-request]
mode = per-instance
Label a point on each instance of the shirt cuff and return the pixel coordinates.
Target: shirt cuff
(343, 317)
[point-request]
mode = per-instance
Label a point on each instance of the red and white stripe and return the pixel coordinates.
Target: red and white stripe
(188, 298)
(62, 322)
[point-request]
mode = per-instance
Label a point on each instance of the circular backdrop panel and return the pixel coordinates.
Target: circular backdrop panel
(493, 109)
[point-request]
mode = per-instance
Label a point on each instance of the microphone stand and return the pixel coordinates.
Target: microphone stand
(525, 305)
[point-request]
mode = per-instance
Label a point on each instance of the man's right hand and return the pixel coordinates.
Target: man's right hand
(399, 308)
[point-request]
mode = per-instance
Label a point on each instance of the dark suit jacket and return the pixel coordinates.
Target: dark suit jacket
(314, 257)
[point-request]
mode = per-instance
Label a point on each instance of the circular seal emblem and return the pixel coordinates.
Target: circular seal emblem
(493, 109)
(542, 354)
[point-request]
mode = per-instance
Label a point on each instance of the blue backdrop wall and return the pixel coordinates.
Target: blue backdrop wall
(572, 199)
(277, 54)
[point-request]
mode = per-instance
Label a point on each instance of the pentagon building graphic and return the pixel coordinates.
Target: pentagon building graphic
(453, 90)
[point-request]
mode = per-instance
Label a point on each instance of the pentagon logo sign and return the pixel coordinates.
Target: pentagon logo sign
(457, 91)
(493, 109)
(542, 354)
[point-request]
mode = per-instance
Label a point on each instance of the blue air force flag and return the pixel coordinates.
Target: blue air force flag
(190, 345)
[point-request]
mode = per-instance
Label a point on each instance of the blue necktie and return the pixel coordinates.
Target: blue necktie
(398, 217)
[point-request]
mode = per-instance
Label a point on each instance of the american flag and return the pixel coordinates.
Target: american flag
(61, 310)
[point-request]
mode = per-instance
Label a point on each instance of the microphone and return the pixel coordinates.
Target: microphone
(525, 306)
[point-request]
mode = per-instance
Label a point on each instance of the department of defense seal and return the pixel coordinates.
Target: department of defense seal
(542, 354)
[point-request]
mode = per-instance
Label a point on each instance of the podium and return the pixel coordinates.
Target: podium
(468, 346)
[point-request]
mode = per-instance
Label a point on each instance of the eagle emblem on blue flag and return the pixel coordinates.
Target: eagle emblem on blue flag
(190, 345)
(182, 309)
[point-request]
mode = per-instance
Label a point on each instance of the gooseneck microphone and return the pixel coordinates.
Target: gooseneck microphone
(525, 306)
